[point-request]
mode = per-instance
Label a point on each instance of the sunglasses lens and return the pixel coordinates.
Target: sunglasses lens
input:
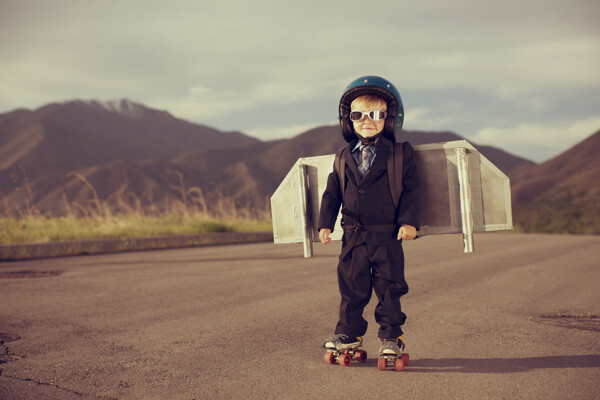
(376, 115)
(356, 116)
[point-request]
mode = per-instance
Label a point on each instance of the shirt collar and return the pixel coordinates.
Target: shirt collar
(359, 145)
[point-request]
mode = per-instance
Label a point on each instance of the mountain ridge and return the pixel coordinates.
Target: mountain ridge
(78, 134)
(561, 194)
(138, 157)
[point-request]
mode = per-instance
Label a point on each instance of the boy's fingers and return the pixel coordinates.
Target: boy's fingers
(405, 234)
(324, 236)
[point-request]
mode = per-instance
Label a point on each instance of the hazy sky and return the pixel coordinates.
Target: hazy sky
(520, 75)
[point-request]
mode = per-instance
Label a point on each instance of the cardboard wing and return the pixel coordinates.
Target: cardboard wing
(461, 192)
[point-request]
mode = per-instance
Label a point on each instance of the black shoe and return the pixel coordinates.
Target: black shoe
(342, 342)
(391, 346)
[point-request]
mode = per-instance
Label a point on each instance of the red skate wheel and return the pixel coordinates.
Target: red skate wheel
(329, 358)
(344, 360)
(382, 364)
(360, 356)
(399, 364)
(405, 358)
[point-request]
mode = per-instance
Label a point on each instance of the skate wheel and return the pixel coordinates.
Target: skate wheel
(382, 364)
(360, 356)
(329, 358)
(399, 364)
(405, 358)
(344, 360)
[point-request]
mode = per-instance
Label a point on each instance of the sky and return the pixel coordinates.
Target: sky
(519, 75)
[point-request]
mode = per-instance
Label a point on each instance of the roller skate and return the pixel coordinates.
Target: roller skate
(391, 355)
(342, 348)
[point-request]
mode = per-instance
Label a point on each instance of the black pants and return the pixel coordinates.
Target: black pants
(364, 269)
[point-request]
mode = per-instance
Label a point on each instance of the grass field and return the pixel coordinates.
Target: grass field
(40, 229)
(125, 217)
(191, 215)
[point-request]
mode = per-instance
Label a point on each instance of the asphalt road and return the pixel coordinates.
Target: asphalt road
(248, 321)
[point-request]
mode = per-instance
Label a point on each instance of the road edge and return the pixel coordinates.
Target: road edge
(31, 251)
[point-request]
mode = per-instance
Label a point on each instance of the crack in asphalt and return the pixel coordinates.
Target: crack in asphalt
(6, 351)
(29, 380)
(9, 356)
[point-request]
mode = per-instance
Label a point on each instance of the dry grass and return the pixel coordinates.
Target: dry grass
(123, 216)
(39, 229)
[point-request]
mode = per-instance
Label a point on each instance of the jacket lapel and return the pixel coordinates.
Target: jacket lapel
(380, 162)
(350, 163)
(379, 165)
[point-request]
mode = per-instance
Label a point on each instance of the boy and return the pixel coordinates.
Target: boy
(371, 113)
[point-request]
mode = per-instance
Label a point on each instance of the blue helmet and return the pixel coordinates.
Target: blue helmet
(372, 85)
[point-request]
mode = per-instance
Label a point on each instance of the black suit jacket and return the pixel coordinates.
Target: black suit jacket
(368, 199)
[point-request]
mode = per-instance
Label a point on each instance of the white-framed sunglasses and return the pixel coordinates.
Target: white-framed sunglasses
(373, 115)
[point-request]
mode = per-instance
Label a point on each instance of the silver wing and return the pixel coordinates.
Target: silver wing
(461, 192)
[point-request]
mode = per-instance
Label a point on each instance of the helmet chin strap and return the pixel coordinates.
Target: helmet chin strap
(368, 141)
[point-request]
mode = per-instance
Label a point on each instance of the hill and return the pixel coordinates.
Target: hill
(78, 134)
(62, 157)
(561, 194)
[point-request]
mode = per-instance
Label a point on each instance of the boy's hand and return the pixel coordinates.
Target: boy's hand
(407, 232)
(324, 235)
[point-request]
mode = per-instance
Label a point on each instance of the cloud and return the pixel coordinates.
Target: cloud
(537, 141)
(236, 42)
(280, 132)
(204, 102)
(426, 119)
(465, 65)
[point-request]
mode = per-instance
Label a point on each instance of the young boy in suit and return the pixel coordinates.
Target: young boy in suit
(371, 115)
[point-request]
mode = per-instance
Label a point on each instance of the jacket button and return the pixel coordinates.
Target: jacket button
(361, 191)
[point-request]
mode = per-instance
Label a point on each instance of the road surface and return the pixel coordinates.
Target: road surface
(248, 321)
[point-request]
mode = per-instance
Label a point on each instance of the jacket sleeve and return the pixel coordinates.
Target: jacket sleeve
(330, 203)
(408, 209)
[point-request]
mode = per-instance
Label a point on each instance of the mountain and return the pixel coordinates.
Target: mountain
(79, 134)
(561, 194)
(60, 158)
